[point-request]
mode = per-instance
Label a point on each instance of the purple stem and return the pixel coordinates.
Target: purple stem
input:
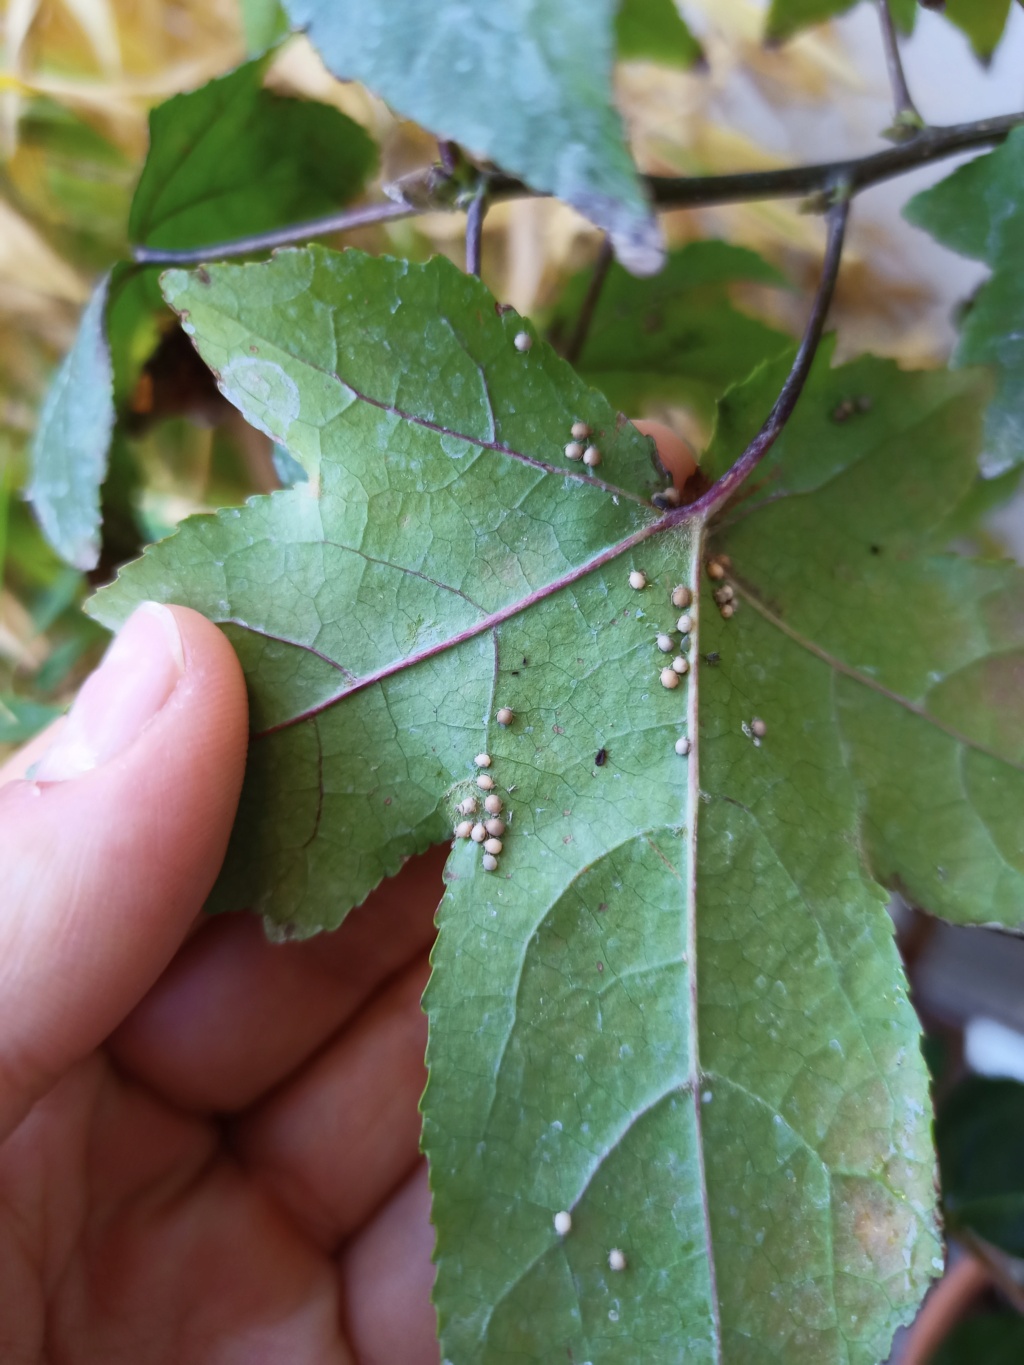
(931, 144)
(721, 491)
(579, 334)
(475, 230)
(903, 103)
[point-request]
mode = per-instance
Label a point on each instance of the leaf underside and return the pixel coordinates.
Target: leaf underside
(69, 451)
(459, 68)
(676, 1009)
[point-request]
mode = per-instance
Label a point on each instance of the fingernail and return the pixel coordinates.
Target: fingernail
(138, 673)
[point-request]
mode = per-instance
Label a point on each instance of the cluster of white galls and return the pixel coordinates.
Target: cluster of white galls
(681, 597)
(577, 450)
(725, 596)
(488, 831)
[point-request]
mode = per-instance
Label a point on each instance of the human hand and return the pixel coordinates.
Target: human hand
(209, 1143)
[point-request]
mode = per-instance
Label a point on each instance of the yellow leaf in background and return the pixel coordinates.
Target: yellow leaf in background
(27, 260)
(96, 18)
(18, 21)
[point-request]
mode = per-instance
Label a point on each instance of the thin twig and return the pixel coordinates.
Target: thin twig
(907, 120)
(721, 491)
(574, 346)
(932, 144)
(385, 212)
(475, 229)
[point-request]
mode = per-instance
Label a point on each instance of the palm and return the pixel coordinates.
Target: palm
(233, 1178)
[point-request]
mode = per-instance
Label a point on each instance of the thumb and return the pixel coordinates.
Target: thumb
(110, 845)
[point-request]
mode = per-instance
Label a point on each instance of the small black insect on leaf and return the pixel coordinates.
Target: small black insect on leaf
(601, 757)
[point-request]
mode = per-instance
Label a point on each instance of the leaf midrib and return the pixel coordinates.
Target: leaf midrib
(489, 622)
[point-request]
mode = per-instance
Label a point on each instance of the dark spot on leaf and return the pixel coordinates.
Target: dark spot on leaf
(525, 661)
(387, 800)
(202, 275)
(713, 659)
(514, 672)
(600, 966)
(557, 729)
(653, 322)
(254, 350)
(601, 757)
(875, 549)
(602, 906)
(502, 308)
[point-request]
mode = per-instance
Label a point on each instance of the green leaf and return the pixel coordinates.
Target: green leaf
(993, 1339)
(231, 159)
(787, 17)
(69, 451)
(979, 1133)
(654, 31)
(982, 20)
(676, 1009)
(979, 212)
(264, 23)
(675, 338)
(858, 492)
(904, 12)
(527, 86)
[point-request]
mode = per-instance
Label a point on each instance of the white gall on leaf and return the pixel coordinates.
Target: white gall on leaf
(665, 644)
(669, 678)
(504, 716)
(685, 623)
(682, 746)
(574, 451)
(758, 728)
(716, 569)
(492, 805)
(489, 862)
(563, 1223)
(493, 846)
(580, 431)
(523, 341)
(482, 760)
(495, 826)
(591, 457)
(681, 596)
(486, 783)
(638, 579)
(468, 807)
(616, 1259)
(463, 828)
(478, 833)
(680, 665)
